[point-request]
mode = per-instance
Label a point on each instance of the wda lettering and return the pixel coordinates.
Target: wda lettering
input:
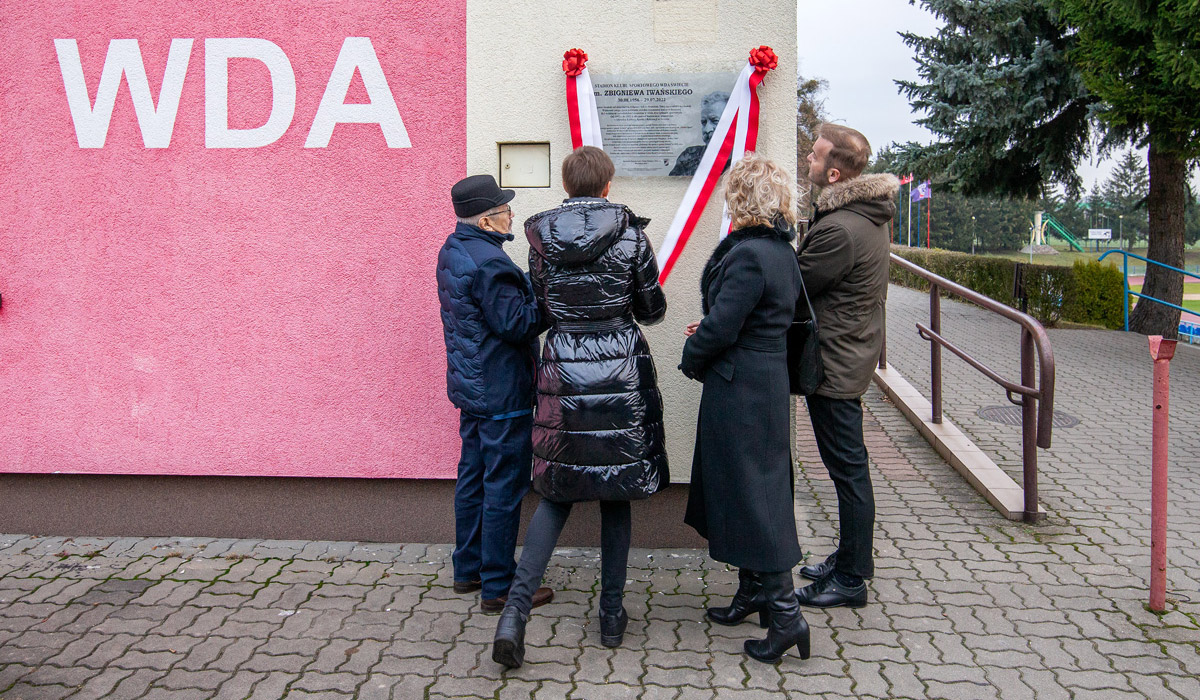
(157, 122)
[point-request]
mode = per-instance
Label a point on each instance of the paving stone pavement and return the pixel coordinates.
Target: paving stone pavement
(965, 604)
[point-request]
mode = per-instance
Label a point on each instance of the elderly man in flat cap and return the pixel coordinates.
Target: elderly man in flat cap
(491, 323)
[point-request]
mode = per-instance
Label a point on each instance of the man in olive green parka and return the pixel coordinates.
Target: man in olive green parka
(844, 263)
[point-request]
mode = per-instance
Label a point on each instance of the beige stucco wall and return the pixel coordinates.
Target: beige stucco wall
(516, 92)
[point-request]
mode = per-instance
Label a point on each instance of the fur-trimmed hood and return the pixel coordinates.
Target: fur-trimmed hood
(781, 231)
(864, 188)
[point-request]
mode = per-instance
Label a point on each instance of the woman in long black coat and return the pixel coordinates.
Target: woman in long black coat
(598, 425)
(741, 496)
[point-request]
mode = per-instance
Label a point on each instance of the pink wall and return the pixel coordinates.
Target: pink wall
(230, 311)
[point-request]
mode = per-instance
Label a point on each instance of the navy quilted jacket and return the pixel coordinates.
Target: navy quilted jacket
(490, 320)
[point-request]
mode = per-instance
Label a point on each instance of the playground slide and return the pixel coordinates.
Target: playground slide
(1062, 232)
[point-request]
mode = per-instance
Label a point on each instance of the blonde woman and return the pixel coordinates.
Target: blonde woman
(741, 492)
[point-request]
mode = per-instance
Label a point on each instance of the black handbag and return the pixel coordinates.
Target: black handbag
(805, 369)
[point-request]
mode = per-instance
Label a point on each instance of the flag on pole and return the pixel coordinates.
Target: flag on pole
(906, 179)
(923, 191)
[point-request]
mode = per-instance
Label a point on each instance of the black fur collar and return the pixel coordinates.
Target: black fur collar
(781, 230)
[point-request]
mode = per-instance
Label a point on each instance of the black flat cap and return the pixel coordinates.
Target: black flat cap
(476, 194)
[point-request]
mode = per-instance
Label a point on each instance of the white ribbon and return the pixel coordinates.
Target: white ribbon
(739, 103)
(589, 118)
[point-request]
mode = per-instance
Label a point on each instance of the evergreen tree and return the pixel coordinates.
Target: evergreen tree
(1191, 226)
(994, 224)
(1141, 59)
(810, 114)
(1125, 193)
(997, 88)
(1016, 89)
(1099, 210)
(1071, 212)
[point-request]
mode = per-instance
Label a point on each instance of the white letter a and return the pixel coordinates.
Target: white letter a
(357, 52)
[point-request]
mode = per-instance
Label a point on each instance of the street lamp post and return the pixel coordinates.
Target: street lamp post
(972, 234)
(1121, 218)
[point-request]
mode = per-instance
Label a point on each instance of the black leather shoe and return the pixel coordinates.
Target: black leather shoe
(816, 572)
(787, 625)
(748, 599)
(508, 648)
(612, 628)
(828, 593)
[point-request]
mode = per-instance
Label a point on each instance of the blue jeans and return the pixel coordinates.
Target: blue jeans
(493, 477)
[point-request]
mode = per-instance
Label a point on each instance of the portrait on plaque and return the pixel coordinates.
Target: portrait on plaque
(660, 124)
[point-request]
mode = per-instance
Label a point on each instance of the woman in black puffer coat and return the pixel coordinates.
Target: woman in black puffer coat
(598, 427)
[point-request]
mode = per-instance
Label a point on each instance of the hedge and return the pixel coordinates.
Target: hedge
(1088, 292)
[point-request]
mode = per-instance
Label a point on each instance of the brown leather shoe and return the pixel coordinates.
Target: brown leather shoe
(467, 586)
(541, 596)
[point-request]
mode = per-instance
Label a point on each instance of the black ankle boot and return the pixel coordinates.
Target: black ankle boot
(508, 648)
(612, 627)
(787, 625)
(748, 599)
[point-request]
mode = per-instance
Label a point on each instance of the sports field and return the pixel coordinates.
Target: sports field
(1191, 297)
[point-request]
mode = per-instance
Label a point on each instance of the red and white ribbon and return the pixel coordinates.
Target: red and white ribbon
(581, 101)
(736, 133)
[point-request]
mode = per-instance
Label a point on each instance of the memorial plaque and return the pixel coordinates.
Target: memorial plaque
(659, 124)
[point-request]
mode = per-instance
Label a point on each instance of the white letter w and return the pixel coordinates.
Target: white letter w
(124, 57)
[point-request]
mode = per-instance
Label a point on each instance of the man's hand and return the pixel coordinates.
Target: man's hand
(690, 329)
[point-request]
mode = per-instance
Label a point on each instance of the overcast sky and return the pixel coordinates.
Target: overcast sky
(855, 46)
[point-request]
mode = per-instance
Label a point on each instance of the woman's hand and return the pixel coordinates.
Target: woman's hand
(690, 329)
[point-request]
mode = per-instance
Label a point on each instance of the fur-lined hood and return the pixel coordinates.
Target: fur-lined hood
(863, 188)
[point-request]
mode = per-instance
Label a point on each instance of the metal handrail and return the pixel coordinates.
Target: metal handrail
(1036, 388)
(1129, 292)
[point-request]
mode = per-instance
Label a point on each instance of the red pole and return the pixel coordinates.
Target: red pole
(1161, 351)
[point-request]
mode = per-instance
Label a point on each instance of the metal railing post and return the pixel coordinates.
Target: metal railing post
(935, 354)
(1125, 274)
(1029, 427)
(1129, 293)
(883, 348)
(1036, 390)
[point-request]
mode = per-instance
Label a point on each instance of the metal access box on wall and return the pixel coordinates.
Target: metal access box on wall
(218, 230)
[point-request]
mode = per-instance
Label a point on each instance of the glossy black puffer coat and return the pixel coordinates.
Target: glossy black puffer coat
(598, 426)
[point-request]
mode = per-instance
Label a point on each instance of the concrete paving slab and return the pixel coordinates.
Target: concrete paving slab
(965, 603)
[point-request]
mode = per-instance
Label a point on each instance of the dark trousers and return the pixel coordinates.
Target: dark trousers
(493, 477)
(543, 534)
(837, 424)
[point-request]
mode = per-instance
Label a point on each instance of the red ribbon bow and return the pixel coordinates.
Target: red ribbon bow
(763, 59)
(574, 61)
